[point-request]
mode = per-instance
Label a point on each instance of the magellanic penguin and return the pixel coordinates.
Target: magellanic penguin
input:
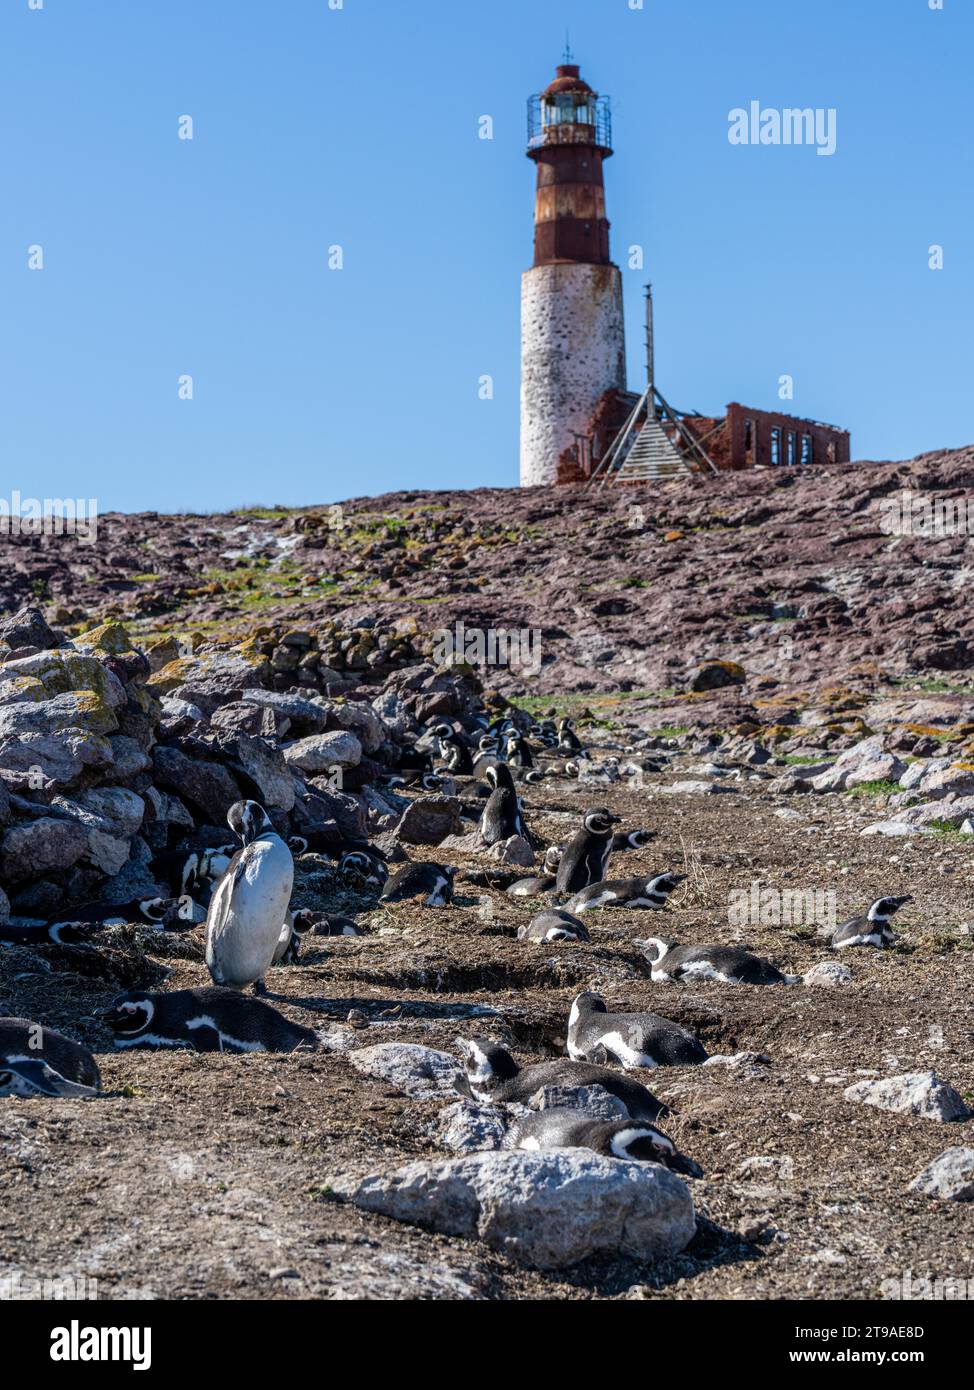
(553, 924)
(365, 869)
(652, 893)
(541, 883)
(631, 839)
(455, 754)
(205, 1020)
(79, 926)
(561, 1128)
(517, 750)
(872, 928)
(431, 882)
(38, 1061)
(502, 816)
(729, 964)
(568, 740)
(587, 852)
(249, 906)
(632, 1040)
(494, 1078)
(329, 923)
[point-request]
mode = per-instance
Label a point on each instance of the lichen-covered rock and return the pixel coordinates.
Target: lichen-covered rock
(949, 1177)
(548, 1209)
(915, 1093)
(417, 1071)
(320, 752)
(30, 849)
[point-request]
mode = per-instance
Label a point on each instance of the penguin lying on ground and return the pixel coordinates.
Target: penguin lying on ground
(587, 852)
(631, 839)
(82, 924)
(365, 869)
(553, 924)
(38, 1061)
(432, 882)
(559, 1128)
(729, 964)
(502, 816)
(543, 883)
(872, 928)
(632, 1040)
(328, 923)
(494, 1078)
(627, 892)
(206, 1020)
(249, 906)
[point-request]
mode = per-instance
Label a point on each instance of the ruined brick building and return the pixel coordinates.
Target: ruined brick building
(578, 420)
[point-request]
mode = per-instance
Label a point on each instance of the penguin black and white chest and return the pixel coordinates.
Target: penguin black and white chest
(488, 751)
(561, 1128)
(249, 906)
(39, 1061)
(540, 883)
(587, 852)
(431, 882)
(553, 924)
(872, 928)
(502, 816)
(731, 965)
(364, 868)
(650, 893)
(631, 1040)
(494, 1078)
(205, 1020)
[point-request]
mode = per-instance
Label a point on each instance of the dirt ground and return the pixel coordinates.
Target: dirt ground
(210, 1176)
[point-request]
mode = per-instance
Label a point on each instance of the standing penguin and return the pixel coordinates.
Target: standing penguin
(250, 903)
(502, 815)
(568, 740)
(455, 754)
(587, 853)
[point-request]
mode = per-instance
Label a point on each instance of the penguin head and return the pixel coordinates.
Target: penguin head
(600, 821)
(154, 909)
(654, 948)
(303, 920)
(647, 1144)
(663, 885)
(639, 839)
(431, 782)
(248, 819)
(884, 908)
(32, 1076)
(588, 1002)
(499, 775)
(213, 863)
(488, 745)
(128, 1014)
(552, 858)
(487, 1064)
(297, 844)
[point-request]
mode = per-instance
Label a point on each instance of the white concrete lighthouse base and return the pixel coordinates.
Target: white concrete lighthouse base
(573, 347)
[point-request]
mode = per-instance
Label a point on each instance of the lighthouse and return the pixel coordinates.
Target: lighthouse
(572, 334)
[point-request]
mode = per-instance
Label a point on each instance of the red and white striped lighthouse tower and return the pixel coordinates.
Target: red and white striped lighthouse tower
(572, 334)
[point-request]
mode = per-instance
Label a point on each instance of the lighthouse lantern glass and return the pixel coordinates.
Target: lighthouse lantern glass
(568, 108)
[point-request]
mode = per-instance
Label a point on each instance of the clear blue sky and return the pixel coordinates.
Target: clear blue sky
(360, 127)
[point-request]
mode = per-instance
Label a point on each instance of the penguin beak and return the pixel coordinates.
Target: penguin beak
(681, 1164)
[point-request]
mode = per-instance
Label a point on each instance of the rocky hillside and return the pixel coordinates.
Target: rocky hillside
(791, 575)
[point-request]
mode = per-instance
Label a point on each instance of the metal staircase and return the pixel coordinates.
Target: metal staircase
(647, 453)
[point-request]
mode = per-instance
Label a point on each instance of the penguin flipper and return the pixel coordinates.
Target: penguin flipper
(206, 1038)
